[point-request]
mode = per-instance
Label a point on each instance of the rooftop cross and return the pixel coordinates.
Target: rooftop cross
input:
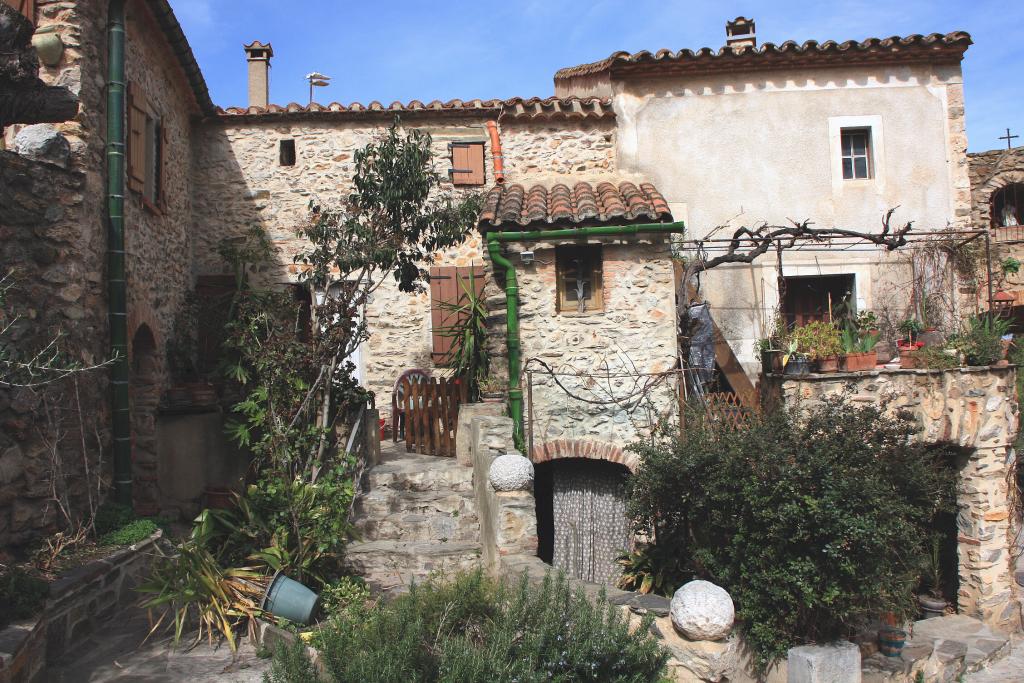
(1008, 138)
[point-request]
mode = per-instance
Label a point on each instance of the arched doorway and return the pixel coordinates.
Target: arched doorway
(145, 396)
(582, 526)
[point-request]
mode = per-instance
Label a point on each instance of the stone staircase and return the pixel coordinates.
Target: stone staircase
(414, 515)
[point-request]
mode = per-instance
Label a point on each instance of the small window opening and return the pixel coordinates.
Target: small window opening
(579, 278)
(1008, 206)
(856, 149)
(816, 298)
(287, 152)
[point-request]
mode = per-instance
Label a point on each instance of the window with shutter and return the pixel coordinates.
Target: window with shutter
(467, 163)
(26, 7)
(449, 286)
(147, 140)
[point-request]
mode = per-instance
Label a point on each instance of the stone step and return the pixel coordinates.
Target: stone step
(1009, 669)
(941, 649)
(413, 472)
(407, 526)
(387, 565)
(381, 502)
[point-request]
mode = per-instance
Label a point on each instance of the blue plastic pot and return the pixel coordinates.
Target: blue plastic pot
(291, 600)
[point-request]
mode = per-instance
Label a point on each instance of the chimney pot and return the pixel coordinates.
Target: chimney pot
(740, 34)
(258, 55)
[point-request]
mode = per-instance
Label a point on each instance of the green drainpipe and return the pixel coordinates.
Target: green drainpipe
(116, 287)
(515, 390)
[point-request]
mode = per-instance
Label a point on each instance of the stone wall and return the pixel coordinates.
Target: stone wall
(56, 288)
(975, 408)
(80, 601)
(991, 171)
(508, 519)
(535, 150)
(240, 183)
(612, 356)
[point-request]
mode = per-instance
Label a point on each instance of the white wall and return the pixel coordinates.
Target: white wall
(741, 148)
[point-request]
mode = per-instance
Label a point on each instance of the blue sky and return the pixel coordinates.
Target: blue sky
(443, 49)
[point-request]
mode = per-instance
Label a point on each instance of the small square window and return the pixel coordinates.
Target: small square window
(856, 152)
(467, 163)
(286, 152)
(579, 275)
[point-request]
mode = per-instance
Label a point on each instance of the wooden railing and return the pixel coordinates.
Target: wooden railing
(430, 410)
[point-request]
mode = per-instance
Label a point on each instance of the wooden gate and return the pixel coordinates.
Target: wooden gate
(430, 408)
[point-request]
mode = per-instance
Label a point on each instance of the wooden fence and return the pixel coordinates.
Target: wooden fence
(728, 409)
(430, 408)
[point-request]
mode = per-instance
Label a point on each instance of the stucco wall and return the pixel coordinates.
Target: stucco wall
(741, 148)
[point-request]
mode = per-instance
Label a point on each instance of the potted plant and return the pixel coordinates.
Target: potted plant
(492, 390)
(822, 342)
(770, 352)
(932, 602)
(911, 328)
(795, 362)
(981, 340)
(858, 349)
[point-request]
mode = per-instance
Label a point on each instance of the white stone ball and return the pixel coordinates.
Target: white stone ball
(511, 472)
(702, 611)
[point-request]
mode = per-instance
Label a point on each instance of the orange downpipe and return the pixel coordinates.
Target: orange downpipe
(496, 155)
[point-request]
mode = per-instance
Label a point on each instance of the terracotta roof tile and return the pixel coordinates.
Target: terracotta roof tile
(906, 49)
(533, 108)
(580, 203)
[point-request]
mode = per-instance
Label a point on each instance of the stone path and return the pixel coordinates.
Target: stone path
(115, 652)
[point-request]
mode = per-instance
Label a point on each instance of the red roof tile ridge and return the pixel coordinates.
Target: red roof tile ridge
(539, 203)
(955, 39)
(515, 107)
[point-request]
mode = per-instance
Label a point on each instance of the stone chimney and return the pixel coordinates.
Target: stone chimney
(739, 34)
(259, 56)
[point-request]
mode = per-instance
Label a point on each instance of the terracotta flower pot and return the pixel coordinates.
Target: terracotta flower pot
(828, 364)
(908, 359)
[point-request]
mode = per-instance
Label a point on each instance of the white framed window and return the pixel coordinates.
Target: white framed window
(856, 151)
(855, 144)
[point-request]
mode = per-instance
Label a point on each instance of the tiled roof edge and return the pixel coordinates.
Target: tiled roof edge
(515, 108)
(895, 47)
(183, 51)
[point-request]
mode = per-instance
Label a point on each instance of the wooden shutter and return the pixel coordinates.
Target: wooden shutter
(468, 163)
(161, 169)
(136, 139)
(26, 7)
(445, 289)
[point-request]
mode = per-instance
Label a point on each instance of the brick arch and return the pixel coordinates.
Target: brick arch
(585, 449)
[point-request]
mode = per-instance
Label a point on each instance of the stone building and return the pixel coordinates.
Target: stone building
(669, 141)
(997, 192)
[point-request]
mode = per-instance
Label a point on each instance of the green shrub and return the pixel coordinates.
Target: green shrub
(133, 532)
(21, 594)
(815, 523)
(981, 339)
(347, 592)
(112, 516)
(474, 629)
